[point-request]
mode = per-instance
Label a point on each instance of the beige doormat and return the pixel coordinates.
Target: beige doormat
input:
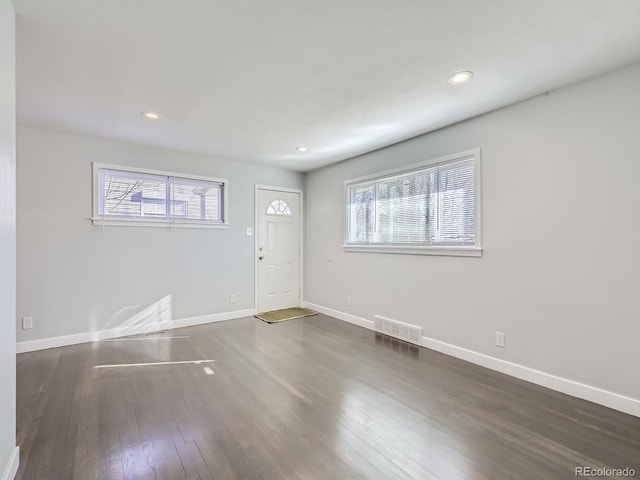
(287, 314)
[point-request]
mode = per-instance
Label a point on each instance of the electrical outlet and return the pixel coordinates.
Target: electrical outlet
(249, 232)
(232, 298)
(500, 339)
(349, 301)
(27, 323)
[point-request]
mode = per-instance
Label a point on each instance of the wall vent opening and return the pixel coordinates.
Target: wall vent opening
(394, 328)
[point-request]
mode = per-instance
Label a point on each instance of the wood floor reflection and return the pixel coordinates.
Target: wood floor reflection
(313, 398)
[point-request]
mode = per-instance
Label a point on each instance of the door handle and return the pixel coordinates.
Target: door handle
(260, 258)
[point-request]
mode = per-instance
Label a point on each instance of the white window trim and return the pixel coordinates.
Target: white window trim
(99, 220)
(462, 251)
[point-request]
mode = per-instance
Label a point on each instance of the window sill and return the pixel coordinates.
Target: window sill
(155, 223)
(416, 250)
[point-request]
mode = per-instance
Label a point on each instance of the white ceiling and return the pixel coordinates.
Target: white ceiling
(251, 80)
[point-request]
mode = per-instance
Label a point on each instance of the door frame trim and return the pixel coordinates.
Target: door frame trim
(255, 238)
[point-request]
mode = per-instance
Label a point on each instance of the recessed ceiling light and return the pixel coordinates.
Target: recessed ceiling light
(302, 149)
(151, 115)
(460, 78)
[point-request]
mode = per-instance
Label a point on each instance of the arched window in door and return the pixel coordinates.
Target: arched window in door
(278, 207)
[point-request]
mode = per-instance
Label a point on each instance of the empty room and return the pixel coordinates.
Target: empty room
(348, 239)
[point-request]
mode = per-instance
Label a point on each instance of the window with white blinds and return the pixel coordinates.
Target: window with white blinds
(432, 207)
(157, 198)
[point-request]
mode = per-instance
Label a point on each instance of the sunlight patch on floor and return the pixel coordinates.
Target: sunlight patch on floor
(195, 362)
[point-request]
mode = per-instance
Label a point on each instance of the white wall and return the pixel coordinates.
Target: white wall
(8, 452)
(74, 277)
(560, 270)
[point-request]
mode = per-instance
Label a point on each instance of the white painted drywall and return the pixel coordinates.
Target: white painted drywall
(561, 218)
(74, 277)
(7, 238)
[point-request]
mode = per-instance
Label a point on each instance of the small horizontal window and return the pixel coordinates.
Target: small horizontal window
(432, 208)
(157, 198)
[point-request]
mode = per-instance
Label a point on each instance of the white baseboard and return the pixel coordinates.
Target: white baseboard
(570, 387)
(361, 322)
(63, 341)
(12, 465)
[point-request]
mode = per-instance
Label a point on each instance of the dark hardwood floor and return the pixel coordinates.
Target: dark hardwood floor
(313, 398)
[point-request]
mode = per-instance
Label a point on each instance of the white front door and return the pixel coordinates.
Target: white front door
(278, 249)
